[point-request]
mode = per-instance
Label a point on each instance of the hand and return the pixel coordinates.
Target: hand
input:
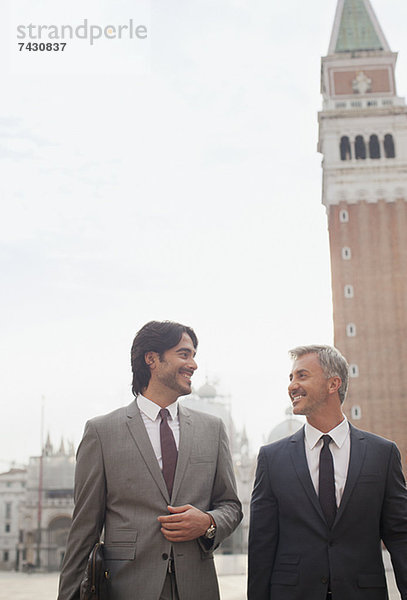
(185, 523)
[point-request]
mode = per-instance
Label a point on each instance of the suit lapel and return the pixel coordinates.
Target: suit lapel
(297, 448)
(140, 436)
(184, 450)
(356, 458)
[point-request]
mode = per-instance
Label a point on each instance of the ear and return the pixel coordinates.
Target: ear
(150, 359)
(334, 384)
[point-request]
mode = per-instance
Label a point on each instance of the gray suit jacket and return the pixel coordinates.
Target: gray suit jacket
(292, 552)
(119, 486)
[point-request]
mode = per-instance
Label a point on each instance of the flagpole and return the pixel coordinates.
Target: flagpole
(40, 486)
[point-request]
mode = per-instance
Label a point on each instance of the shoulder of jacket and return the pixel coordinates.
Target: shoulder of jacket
(202, 416)
(280, 445)
(110, 418)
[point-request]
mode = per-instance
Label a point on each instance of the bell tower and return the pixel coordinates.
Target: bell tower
(363, 140)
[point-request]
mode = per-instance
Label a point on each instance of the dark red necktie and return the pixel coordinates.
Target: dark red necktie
(169, 452)
(327, 496)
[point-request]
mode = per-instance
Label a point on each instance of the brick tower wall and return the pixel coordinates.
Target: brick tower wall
(370, 318)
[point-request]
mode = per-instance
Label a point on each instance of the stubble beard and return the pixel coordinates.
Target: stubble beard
(170, 381)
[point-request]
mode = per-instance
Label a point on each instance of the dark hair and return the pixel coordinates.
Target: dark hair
(155, 336)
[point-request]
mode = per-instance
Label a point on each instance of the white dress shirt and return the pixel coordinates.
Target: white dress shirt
(340, 450)
(151, 418)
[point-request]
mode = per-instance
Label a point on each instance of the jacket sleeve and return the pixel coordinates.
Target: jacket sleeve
(263, 533)
(394, 520)
(225, 508)
(89, 513)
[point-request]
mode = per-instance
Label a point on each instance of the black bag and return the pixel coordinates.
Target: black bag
(95, 580)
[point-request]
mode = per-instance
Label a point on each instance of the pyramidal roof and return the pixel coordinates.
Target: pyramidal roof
(356, 28)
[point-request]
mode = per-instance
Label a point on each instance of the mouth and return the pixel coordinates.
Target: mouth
(186, 375)
(297, 398)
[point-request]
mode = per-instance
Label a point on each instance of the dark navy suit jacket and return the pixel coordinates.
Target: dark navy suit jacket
(293, 555)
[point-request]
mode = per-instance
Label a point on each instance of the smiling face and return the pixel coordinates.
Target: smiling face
(171, 374)
(309, 389)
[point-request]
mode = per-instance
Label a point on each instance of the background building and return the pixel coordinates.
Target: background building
(287, 427)
(363, 139)
(46, 510)
(12, 495)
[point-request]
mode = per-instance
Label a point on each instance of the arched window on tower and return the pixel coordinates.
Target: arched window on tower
(346, 153)
(389, 150)
(360, 147)
(374, 146)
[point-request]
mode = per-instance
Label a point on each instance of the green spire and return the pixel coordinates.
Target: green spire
(358, 29)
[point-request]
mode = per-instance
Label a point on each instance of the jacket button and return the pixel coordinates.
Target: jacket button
(164, 556)
(324, 579)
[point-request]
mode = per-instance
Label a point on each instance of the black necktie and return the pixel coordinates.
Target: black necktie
(169, 452)
(327, 496)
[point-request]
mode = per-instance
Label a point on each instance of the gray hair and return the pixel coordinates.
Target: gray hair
(332, 362)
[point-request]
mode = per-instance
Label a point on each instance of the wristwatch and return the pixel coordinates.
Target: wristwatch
(211, 531)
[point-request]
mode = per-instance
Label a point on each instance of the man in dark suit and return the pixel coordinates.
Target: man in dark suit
(158, 478)
(325, 497)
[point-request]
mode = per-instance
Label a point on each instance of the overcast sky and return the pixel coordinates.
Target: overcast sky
(174, 177)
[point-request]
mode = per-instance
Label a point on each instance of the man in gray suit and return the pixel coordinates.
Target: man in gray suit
(158, 478)
(325, 497)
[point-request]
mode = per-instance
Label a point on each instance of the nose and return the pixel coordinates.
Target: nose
(292, 386)
(193, 364)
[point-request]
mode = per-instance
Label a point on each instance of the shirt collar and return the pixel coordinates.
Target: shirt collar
(338, 434)
(151, 409)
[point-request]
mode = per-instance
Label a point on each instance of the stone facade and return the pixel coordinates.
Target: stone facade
(12, 495)
(36, 508)
(48, 507)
